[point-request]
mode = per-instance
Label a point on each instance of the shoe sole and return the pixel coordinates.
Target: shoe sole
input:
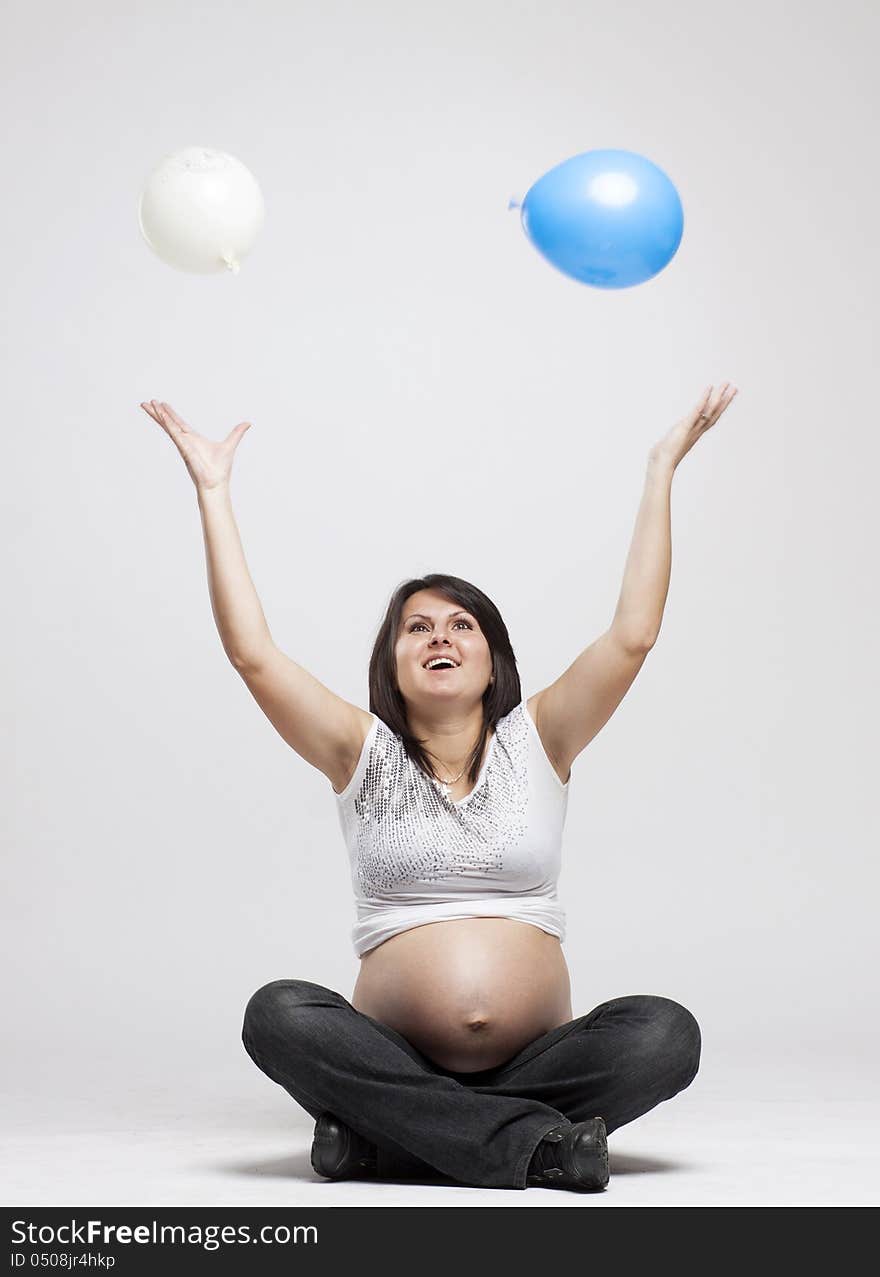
(589, 1154)
(326, 1147)
(331, 1155)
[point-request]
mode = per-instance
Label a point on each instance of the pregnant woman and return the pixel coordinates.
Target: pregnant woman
(458, 1052)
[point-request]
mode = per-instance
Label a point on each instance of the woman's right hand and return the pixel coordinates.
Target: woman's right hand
(208, 462)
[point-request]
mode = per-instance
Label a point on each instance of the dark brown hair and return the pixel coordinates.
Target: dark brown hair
(500, 697)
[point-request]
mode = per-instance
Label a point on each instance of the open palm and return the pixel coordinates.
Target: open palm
(702, 417)
(208, 461)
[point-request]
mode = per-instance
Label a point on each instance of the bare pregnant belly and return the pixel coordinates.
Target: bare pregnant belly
(468, 993)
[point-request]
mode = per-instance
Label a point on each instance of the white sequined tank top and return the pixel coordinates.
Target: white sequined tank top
(417, 856)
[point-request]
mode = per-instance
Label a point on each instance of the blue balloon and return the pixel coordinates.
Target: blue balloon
(606, 218)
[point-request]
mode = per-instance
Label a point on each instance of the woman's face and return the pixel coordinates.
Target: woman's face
(433, 625)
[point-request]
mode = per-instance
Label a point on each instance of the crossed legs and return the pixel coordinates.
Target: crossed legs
(617, 1062)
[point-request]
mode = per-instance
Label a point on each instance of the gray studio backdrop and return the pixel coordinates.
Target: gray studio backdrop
(165, 851)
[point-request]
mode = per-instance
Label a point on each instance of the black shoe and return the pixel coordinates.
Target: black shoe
(338, 1152)
(573, 1156)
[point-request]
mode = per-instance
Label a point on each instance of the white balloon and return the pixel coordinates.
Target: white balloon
(201, 210)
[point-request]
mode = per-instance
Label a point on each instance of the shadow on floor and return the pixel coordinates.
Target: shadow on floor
(298, 1166)
(636, 1164)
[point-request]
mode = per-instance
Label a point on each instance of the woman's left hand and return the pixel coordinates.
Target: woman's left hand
(685, 433)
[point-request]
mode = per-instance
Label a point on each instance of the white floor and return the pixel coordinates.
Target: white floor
(734, 1144)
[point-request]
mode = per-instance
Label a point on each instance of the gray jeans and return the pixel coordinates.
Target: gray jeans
(617, 1062)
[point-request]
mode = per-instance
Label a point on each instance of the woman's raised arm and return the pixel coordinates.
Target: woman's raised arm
(324, 729)
(237, 610)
